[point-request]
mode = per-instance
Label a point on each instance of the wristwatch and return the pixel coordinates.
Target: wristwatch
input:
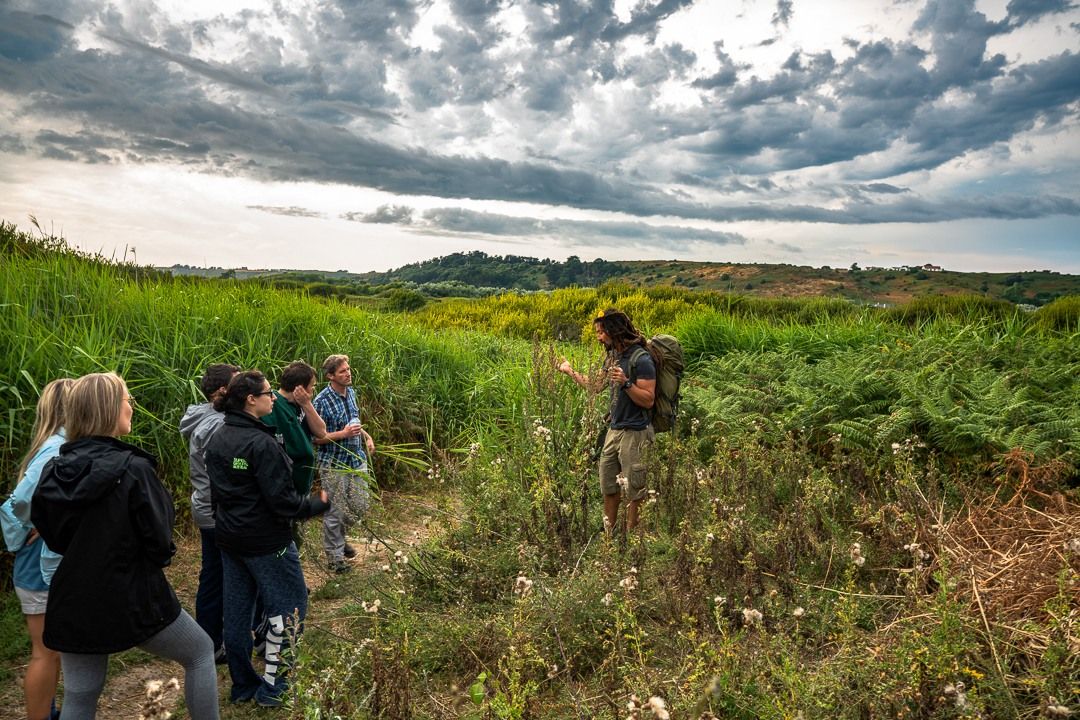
(626, 385)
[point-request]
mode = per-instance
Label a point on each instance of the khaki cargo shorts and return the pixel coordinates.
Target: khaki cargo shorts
(625, 453)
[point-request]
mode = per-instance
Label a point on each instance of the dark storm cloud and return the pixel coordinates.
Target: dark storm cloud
(657, 65)
(12, 144)
(212, 72)
(1040, 91)
(644, 19)
(884, 94)
(794, 79)
(959, 35)
(589, 22)
(883, 188)
(84, 146)
(784, 10)
(726, 76)
(457, 220)
(381, 23)
(28, 38)
(1023, 11)
(291, 211)
(459, 72)
(383, 215)
(306, 120)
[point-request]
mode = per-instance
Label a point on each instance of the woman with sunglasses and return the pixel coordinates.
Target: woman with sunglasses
(255, 503)
(101, 505)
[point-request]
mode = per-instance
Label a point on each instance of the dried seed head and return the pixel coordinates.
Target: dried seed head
(751, 617)
(658, 707)
(522, 586)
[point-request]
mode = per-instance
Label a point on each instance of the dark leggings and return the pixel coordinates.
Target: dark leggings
(183, 641)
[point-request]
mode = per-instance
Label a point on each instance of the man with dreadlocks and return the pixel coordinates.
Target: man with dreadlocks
(631, 372)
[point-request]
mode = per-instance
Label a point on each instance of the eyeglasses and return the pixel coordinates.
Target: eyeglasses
(265, 392)
(130, 401)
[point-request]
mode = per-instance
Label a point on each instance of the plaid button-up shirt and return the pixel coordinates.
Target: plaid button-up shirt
(336, 411)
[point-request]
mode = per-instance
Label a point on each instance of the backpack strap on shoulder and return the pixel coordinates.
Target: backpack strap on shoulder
(639, 350)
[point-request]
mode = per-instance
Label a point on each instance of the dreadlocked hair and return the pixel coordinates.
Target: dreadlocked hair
(623, 334)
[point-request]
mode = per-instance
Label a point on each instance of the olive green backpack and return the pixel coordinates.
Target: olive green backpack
(667, 355)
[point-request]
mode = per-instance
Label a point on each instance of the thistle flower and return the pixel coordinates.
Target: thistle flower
(956, 694)
(540, 432)
(658, 707)
(751, 617)
(372, 607)
(522, 586)
(607, 599)
(1055, 709)
(856, 555)
(153, 707)
(553, 671)
(918, 555)
(709, 537)
(798, 612)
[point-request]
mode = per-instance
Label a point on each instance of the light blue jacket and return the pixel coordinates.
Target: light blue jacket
(15, 519)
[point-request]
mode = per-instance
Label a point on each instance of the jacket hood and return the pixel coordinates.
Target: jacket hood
(193, 417)
(88, 468)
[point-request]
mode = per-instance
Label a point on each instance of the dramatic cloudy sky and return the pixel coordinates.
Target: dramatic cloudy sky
(364, 135)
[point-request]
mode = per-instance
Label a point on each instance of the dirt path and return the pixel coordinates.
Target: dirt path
(400, 519)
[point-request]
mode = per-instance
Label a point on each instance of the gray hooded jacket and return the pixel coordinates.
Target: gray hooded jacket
(198, 425)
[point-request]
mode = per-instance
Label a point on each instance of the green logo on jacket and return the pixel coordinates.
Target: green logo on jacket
(239, 464)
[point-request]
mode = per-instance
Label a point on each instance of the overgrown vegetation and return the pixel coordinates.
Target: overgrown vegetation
(864, 514)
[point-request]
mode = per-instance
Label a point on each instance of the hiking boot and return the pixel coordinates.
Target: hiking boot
(350, 551)
(339, 567)
(270, 698)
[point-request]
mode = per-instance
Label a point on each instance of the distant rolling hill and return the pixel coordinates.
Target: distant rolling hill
(477, 270)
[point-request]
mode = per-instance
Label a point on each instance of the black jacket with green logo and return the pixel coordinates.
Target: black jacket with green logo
(100, 504)
(252, 488)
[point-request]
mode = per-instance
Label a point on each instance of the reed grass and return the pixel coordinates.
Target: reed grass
(67, 315)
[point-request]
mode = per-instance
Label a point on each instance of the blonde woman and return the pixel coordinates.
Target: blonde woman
(34, 563)
(101, 505)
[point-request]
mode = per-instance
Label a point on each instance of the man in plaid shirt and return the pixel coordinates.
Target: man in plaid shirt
(343, 459)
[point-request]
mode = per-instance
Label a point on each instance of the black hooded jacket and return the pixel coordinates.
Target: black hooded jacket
(252, 490)
(101, 505)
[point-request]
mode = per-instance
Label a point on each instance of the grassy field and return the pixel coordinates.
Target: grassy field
(865, 513)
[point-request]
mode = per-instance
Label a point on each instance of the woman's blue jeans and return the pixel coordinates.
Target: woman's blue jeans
(278, 581)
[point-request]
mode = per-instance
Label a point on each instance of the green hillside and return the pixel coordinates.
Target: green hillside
(476, 273)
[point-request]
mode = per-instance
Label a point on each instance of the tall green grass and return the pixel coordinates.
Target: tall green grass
(66, 315)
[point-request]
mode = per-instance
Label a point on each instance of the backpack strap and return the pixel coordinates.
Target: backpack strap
(639, 350)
